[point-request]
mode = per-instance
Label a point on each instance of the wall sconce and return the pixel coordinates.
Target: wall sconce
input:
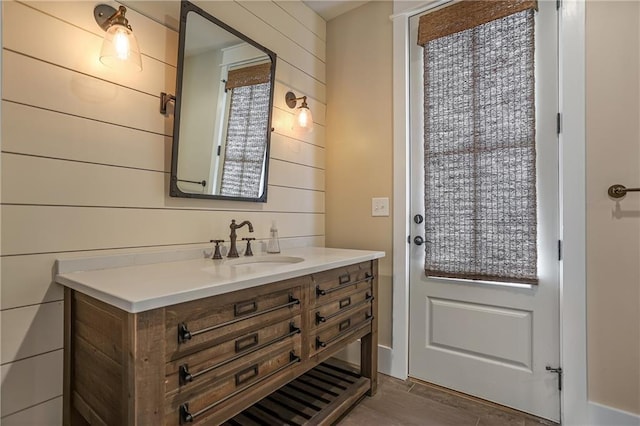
(120, 48)
(303, 119)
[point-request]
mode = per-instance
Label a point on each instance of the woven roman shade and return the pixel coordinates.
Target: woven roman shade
(466, 15)
(248, 76)
(245, 145)
(479, 141)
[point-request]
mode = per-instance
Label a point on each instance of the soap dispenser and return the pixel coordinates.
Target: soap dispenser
(273, 245)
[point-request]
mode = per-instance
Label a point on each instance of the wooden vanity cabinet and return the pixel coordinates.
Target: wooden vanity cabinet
(204, 361)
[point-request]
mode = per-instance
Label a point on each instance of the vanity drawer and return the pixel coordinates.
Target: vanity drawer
(194, 326)
(341, 281)
(231, 382)
(349, 302)
(340, 327)
(191, 369)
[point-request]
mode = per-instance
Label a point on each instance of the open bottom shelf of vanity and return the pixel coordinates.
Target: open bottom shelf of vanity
(318, 397)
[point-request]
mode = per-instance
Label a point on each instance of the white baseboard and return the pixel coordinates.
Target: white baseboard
(602, 415)
(351, 354)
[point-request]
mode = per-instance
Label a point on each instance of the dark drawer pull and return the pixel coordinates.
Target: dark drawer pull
(245, 308)
(343, 279)
(320, 318)
(186, 416)
(344, 324)
(321, 292)
(246, 342)
(186, 377)
(345, 302)
(323, 344)
(246, 374)
(184, 334)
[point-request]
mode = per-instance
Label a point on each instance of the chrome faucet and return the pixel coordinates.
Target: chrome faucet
(233, 251)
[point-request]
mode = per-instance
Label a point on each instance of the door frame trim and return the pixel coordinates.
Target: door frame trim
(571, 39)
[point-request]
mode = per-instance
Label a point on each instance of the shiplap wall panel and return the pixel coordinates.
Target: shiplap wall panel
(32, 330)
(85, 228)
(40, 415)
(99, 185)
(59, 135)
(58, 102)
(28, 280)
(289, 26)
(303, 14)
(165, 12)
(47, 86)
(84, 184)
(236, 16)
(306, 177)
(82, 55)
(298, 80)
(33, 379)
(293, 150)
(155, 40)
(297, 200)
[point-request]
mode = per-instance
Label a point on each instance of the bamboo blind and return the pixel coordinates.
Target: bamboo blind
(466, 15)
(479, 140)
(246, 141)
(248, 76)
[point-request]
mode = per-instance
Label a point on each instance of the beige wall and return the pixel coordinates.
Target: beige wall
(359, 138)
(86, 157)
(613, 227)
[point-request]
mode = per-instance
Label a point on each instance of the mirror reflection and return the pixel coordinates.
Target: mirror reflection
(223, 111)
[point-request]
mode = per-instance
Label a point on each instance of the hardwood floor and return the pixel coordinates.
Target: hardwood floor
(404, 403)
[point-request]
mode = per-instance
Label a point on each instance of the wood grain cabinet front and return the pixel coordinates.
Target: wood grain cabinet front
(204, 361)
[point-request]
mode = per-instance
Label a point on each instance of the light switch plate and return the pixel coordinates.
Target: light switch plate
(380, 206)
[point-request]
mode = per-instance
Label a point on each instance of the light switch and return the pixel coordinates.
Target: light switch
(380, 206)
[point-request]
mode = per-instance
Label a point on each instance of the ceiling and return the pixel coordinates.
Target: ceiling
(330, 9)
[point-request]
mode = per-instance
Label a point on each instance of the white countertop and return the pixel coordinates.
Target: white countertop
(139, 288)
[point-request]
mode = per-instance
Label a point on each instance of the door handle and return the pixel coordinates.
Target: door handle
(418, 240)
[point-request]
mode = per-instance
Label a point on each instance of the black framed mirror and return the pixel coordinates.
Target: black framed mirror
(223, 107)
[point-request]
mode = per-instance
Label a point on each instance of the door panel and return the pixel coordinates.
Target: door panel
(460, 327)
(492, 340)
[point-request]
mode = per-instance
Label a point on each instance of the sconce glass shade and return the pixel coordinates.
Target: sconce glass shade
(120, 49)
(303, 120)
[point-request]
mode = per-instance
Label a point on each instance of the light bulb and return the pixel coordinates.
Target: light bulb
(121, 43)
(304, 117)
(120, 49)
(303, 120)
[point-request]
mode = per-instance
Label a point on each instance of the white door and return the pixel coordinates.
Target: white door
(493, 341)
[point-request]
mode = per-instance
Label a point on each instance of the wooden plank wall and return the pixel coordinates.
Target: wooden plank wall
(86, 155)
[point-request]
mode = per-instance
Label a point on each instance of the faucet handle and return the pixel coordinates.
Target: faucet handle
(216, 253)
(248, 251)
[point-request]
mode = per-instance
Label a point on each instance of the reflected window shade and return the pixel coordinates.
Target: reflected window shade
(248, 76)
(479, 130)
(245, 144)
